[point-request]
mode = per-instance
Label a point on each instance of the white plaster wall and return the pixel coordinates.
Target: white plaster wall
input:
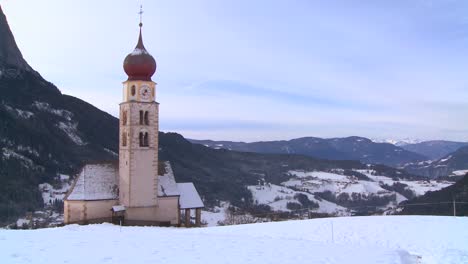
(166, 211)
(79, 211)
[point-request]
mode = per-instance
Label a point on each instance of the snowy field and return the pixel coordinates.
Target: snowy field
(310, 182)
(355, 240)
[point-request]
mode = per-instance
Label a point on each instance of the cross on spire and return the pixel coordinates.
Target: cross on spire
(141, 15)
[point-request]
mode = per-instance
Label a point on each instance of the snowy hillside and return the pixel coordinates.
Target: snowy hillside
(340, 193)
(354, 240)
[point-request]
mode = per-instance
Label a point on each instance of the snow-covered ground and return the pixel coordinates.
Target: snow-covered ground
(277, 197)
(310, 182)
(354, 240)
(215, 215)
(418, 187)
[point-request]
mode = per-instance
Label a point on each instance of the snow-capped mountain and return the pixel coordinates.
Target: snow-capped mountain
(398, 142)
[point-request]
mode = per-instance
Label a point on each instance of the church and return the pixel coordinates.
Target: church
(139, 189)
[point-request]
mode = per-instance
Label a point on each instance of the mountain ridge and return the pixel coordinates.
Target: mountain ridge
(353, 147)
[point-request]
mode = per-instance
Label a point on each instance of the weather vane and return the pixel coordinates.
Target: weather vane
(141, 15)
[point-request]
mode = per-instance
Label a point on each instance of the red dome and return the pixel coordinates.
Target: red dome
(139, 65)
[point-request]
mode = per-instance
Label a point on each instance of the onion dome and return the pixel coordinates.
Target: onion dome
(139, 65)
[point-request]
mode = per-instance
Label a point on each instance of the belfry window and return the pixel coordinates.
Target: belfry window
(144, 140)
(141, 117)
(146, 118)
(124, 139)
(133, 90)
(124, 117)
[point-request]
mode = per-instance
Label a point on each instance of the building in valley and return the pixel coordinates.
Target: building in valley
(139, 189)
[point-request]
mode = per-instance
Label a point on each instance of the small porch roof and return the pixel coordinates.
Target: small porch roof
(118, 208)
(189, 197)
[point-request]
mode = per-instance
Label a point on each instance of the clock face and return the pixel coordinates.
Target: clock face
(145, 92)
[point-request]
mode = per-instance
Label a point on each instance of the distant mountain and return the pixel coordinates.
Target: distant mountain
(350, 148)
(452, 164)
(435, 149)
(398, 142)
(440, 202)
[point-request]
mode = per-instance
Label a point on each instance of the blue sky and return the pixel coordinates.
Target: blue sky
(265, 70)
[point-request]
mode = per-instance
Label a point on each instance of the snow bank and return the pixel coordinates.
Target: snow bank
(356, 240)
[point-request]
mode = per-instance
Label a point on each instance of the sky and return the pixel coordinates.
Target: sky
(267, 69)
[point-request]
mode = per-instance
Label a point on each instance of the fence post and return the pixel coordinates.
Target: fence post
(454, 207)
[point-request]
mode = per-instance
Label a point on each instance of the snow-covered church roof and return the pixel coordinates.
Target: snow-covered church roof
(96, 182)
(167, 185)
(100, 182)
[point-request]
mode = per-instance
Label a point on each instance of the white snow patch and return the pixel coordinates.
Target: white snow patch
(22, 221)
(8, 154)
(215, 215)
(459, 172)
(49, 193)
(444, 160)
(138, 51)
(45, 107)
(18, 112)
(111, 152)
(71, 130)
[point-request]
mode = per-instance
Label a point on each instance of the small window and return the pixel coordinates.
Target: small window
(124, 117)
(133, 90)
(141, 117)
(144, 140)
(146, 118)
(124, 139)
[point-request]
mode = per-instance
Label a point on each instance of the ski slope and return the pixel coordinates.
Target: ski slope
(355, 240)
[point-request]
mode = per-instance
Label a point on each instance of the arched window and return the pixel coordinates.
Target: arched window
(124, 117)
(141, 139)
(144, 140)
(133, 90)
(124, 139)
(146, 118)
(141, 117)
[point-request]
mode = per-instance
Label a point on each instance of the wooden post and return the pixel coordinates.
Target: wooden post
(198, 217)
(187, 217)
(454, 207)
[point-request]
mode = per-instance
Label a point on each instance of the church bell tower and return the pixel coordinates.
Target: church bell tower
(139, 126)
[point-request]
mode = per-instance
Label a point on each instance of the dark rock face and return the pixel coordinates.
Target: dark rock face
(350, 148)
